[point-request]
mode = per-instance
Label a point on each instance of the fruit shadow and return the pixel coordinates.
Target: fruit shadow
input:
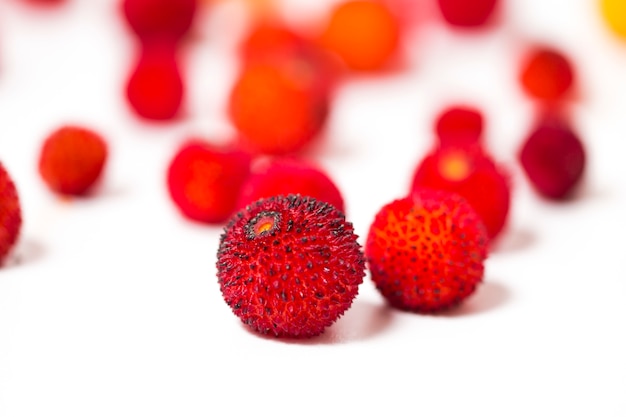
(26, 252)
(363, 320)
(489, 296)
(514, 240)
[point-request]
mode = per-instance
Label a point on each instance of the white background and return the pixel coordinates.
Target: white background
(110, 305)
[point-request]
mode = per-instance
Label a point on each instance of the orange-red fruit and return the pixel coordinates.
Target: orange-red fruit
(204, 180)
(465, 13)
(460, 126)
(426, 252)
(474, 176)
(155, 88)
(72, 159)
(10, 214)
(364, 34)
(553, 158)
(159, 19)
(276, 108)
(546, 74)
(284, 176)
(289, 266)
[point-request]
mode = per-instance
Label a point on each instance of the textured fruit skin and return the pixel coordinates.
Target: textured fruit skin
(364, 34)
(464, 13)
(72, 159)
(204, 180)
(284, 176)
(159, 19)
(460, 126)
(483, 184)
(10, 214)
(553, 159)
(546, 74)
(426, 252)
(155, 87)
(276, 109)
(289, 266)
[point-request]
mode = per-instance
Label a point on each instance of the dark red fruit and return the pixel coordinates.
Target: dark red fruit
(426, 252)
(155, 88)
(553, 158)
(286, 176)
(10, 214)
(204, 180)
(289, 266)
(72, 159)
(546, 74)
(460, 126)
(159, 19)
(464, 13)
(474, 176)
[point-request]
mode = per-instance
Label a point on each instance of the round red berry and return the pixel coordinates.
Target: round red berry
(155, 88)
(289, 266)
(163, 19)
(546, 74)
(460, 126)
(553, 158)
(72, 159)
(284, 176)
(426, 252)
(464, 13)
(204, 180)
(10, 214)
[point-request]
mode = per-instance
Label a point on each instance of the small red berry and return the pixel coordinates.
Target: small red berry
(72, 159)
(474, 176)
(460, 126)
(277, 109)
(159, 19)
(286, 176)
(464, 13)
(426, 252)
(204, 180)
(10, 214)
(553, 158)
(289, 266)
(546, 74)
(155, 88)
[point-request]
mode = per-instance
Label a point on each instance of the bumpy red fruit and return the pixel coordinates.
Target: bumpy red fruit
(426, 252)
(474, 176)
(464, 13)
(204, 180)
(155, 88)
(289, 266)
(284, 176)
(553, 158)
(10, 214)
(276, 109)
(72, 159)
(460, 126)
(161, 19)
(546, 74)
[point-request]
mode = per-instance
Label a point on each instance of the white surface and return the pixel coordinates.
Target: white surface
(111, 306)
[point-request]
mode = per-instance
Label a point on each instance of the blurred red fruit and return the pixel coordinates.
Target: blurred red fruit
(277, 109)
(465, 13)
(72, 159)
(546, 74)
(459, 126)
(284, 176)
(204, 180)
(155, 88)
(553, 158)
(159, 19)
(10, 214)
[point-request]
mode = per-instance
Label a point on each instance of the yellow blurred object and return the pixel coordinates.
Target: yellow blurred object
(614, 13)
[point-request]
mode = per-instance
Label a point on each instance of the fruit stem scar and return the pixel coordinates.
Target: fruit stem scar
(264, 223)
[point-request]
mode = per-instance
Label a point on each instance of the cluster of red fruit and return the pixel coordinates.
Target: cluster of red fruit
(289, 263)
